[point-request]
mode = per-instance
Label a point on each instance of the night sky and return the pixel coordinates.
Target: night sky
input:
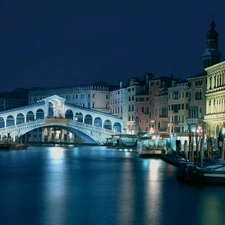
(52, 43)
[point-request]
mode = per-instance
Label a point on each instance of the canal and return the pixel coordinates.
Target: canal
(91, 185)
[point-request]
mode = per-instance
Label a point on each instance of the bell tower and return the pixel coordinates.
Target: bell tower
(211, 54)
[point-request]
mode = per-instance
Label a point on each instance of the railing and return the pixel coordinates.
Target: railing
(163, 116)
(92, 110)
(22, 107)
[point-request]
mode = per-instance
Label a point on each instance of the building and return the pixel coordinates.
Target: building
(135, 87)
(196, 102)
(178, 107)
(94, 96)
(118, 104)
(215, 90)
(211, 55)
(160, 102)
(14, 99)
(215, 99)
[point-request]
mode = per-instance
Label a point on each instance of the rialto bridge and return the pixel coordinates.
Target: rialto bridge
(89, 125)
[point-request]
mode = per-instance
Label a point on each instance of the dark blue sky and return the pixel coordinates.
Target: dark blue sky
(54, 43)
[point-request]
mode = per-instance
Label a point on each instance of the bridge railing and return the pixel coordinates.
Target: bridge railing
(91, 127)
(92, 110)
(22, 107)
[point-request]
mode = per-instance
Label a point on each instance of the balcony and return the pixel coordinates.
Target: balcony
(163, 116)
(193, 120)
(163, 129)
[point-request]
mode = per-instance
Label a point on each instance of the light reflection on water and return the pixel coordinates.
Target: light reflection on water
(95, 185)
(56, 186)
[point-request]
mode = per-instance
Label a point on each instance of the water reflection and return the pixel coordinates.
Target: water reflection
(56, 153)
(98, 186)
(55, 187)
(126, 194)
(214, 207)
(153, 198)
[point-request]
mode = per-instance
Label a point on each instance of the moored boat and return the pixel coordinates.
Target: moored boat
(170, 159)
(211, 174)
(18, 147)
(122, 141)
(150, 146)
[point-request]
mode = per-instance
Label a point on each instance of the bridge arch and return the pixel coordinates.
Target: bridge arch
(117, 127)
(10, 121)
(50, 109)
(2, 122)
(98, 122)
(69, 114)
(79, 117)
(107, 125)
(30, 116)
(88, 119)
(40, 114)
(20, 118)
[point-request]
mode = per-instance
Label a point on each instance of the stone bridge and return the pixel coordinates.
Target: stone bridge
(89, 125)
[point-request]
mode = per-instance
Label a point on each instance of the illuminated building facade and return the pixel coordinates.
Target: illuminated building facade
(118, 104)
(94, 96)
(178, 107)
(196, 102)
(215, 99)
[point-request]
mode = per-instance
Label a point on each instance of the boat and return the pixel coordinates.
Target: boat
(170, 159)
(210, 174)
(122, 141)
(5, 143)
(150, 145)
(18, 147)
(211, 171)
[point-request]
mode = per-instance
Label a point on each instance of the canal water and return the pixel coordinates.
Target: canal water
(91, 185)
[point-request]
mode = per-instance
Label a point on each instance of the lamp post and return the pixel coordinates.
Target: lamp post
(223, 143)
(198, 139)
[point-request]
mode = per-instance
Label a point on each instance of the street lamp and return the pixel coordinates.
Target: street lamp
(223, 144)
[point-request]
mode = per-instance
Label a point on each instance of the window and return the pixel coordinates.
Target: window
(175, 95)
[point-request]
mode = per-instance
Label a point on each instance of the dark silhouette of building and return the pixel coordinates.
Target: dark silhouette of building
(211, 55)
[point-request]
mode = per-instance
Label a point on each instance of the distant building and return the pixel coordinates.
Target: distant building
(14, 99)
(135, 87)
(161, 103)
(211, 55)
(94, 96)
(178, 107)
(196, 102)
(119, 104)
